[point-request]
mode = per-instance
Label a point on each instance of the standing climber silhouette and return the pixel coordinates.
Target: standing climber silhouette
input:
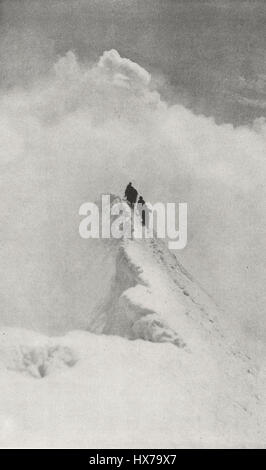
(131, 194)
(143, 210)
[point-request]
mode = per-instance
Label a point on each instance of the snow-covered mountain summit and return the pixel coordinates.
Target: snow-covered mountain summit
(152, 359)
(148, 294)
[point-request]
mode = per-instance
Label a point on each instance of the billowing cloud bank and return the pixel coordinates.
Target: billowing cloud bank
(90, 128)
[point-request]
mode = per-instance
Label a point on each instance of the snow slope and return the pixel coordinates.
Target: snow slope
(155, 368)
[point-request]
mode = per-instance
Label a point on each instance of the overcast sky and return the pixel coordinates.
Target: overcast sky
(212, 53)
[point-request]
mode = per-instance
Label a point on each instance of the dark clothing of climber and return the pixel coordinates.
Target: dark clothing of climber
(142, 209)
(131, 194)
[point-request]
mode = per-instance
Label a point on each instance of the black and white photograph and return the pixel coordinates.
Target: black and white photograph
(132, 225)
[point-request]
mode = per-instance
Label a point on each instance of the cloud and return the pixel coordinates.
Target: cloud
(84, 129)
(124, 69)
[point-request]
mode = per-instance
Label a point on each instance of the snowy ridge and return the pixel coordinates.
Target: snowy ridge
(151, 295)
(179, 382)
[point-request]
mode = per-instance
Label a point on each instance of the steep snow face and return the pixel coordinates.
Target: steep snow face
(150, 296)
(178, 382)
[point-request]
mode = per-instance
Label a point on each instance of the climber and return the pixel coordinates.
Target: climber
(143, 210)
(131, 194)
